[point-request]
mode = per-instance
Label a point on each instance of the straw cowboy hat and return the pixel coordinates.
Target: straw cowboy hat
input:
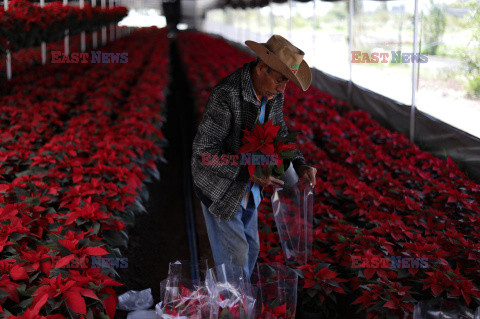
(284, 57)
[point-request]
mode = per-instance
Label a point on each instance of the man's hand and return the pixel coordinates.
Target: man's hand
(266, 181)
(308, 172)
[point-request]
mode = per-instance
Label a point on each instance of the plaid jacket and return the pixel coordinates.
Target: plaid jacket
(231, 107)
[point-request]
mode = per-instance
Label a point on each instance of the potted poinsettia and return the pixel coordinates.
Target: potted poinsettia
(267, 153)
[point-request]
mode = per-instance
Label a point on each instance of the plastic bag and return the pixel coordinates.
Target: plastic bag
(217, 296)
(232, 298)
(277, 291)
(293, 212)
(181, 296)
(135, 300)
(440, 308)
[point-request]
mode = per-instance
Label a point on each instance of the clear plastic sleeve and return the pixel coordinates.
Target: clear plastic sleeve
(276, 291)
(217, 296)
(293, 212)
(234, 298)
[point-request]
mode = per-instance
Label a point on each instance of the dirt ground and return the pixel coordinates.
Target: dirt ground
(160, 237)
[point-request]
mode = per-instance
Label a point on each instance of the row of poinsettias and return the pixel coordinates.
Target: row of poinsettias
(377, 196)
(27, 23)
(78, 141)
(24, 59)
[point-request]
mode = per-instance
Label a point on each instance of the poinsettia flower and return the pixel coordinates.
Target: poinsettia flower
(70, 290)
(261, 139)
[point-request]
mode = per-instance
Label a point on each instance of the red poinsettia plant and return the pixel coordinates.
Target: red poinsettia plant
(264, 150)
(377, 196)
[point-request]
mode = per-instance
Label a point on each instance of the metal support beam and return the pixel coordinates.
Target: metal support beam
(104, 28)
(94, 33)
(290, 20)
(414, 75)
(350, 48)
(314, 32)
(271, 18)
(8, 54)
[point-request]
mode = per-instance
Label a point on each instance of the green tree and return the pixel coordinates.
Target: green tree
(433, 28)
(471, 54)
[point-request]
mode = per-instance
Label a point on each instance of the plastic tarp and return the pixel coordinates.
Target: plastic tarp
(431, 134)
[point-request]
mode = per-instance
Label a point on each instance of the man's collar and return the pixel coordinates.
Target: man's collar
(247, 91)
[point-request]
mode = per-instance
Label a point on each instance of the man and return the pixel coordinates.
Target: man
(229, 196)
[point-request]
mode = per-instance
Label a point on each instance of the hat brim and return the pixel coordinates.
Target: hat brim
(303, 77)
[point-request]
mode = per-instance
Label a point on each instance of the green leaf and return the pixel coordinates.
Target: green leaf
(31, 171)
(25, 303)
(33, 201)
(103, 315)
(138, 207)
(15, 237)
(3, 294)
(299, 272)
(20, 191)
(96, 227)
(291, 136)
(32, 278)
(225, 314)
(287, 154)
(409, 299)
(115, 239)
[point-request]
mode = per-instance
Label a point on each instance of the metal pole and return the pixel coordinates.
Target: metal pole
(104, 29)
(66, 42)
(247, 25)
(94, 34)
(236, 28)
(232, 17)
(112, 37)
(259, 24)
(8, 54)
(82, 35)
(225, 19)
(115, 32)
(43, 45)
(350, 48)
(271, 18)
(9, 65)
(290, 20)
(414, 75)
(247, 28)
(314, 33)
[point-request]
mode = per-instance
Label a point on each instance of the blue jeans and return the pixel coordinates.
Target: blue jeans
(235, 241)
